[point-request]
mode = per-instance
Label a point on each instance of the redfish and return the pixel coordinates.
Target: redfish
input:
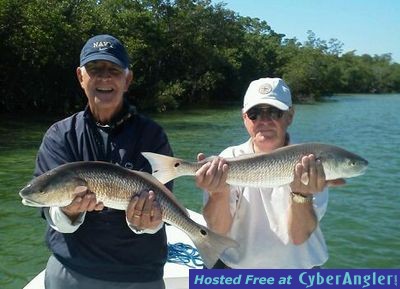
(115, 186)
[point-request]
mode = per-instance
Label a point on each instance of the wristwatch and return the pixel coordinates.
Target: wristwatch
(301, 199)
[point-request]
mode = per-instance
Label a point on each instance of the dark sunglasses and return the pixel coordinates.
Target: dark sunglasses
(270, 112)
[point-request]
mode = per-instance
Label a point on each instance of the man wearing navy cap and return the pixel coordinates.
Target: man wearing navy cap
(94, 246)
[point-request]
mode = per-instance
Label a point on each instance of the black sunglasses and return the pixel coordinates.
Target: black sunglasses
(270, 112)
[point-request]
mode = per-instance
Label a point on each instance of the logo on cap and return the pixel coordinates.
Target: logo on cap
(265, 88)
(102, 45)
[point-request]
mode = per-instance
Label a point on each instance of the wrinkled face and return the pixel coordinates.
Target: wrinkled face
(104, 84)
(267, 126)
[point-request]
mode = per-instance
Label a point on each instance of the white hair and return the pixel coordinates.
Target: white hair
(126, 70)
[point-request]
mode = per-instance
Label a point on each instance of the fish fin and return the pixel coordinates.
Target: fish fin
(304, 178)
(164, 167)
(212, 245)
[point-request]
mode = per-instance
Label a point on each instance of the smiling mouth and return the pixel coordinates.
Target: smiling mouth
(104, 90)
(266, 131)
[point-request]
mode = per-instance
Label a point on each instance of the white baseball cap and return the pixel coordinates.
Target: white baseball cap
(272, 91)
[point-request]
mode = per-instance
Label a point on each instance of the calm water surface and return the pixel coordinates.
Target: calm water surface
(361, 225)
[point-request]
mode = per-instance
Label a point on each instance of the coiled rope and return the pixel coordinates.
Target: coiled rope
(184, 254)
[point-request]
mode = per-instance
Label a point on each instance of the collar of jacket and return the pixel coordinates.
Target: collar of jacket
(127, 112)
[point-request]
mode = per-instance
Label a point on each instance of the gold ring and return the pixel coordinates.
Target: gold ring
(136, 216)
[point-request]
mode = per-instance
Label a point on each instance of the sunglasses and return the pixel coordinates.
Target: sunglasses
(269, 112)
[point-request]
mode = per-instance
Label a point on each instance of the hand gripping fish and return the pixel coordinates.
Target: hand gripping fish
(115, 186)
(267, 169)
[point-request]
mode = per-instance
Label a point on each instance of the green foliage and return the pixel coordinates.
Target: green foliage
(182, 52)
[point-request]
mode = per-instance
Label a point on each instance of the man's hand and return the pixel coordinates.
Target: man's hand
(309, 177)
(84, 201)
(211, 177)
(144, 211)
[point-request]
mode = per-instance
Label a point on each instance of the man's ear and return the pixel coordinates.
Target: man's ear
(129, 79)
(79, 74)
(290, 115)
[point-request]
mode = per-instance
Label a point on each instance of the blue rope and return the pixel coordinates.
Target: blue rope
(184, 254)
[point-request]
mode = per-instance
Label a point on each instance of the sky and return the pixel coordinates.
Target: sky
(365, 26)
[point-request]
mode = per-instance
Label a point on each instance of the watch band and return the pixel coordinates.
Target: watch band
(301, 199)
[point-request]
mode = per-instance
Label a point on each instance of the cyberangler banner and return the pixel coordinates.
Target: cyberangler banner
(296, 279)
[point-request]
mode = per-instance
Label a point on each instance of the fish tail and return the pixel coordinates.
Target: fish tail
(212, 245)
(164, 167)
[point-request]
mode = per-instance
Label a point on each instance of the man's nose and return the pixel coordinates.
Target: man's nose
(264, 115)
(104, 73)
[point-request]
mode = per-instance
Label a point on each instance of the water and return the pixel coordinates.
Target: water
(361, 225)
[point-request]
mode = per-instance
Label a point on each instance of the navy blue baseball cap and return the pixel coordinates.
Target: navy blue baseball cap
(104, 47)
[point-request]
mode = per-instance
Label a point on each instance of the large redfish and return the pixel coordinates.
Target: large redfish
(267, 169)
(115, 186)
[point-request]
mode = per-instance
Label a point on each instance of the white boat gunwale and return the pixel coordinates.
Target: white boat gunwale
(176, 276)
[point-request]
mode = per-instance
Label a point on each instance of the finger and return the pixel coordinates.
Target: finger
(140, 203)
(298, 173)
(321, 175)
(80, 191)
(217, 175)
(221, 164)
(156, 212)
(148, 206)
(138, 210)
(312, 173)
(156, 218)
(73, 207)
(87, 202)
(130, 210)
(201, 173)
(81, 200)
(223, 169)
(213, 167)
(200, 157)
(305, 177)
(209, 174)
(305, 161)
(99, 206)
(133, 214)
(92, 202)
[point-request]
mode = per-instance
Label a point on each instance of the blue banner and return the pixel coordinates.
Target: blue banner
(296, 279)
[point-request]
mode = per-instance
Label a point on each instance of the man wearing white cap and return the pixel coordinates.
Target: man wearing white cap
(275, 227)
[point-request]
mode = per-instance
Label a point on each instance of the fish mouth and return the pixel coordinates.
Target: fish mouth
(31, 203)
(361, 171)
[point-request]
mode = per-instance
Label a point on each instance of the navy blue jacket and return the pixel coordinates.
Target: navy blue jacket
(104, 247)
